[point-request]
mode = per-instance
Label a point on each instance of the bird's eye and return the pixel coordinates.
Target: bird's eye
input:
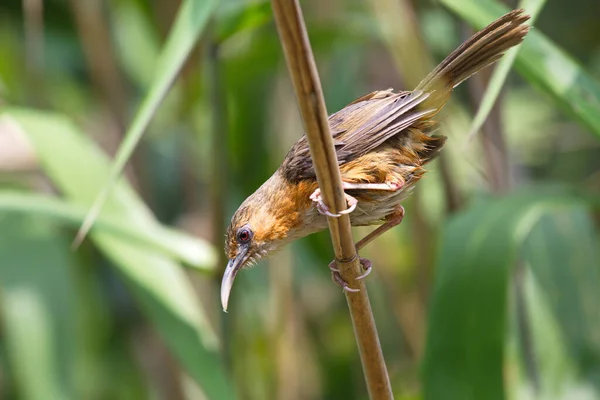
(244, 235)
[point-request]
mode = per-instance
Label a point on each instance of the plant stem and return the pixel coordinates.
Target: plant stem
(94, 33)
(33, 21)
(302, 68)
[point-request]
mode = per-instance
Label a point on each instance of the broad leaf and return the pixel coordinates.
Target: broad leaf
(160, 286)
(467, 322)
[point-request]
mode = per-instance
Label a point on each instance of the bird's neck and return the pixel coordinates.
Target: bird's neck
(285, 207)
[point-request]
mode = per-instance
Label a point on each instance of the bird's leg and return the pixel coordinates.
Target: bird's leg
(352, 202)
(392, 220)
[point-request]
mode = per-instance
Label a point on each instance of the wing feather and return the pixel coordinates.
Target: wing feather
(360, 127)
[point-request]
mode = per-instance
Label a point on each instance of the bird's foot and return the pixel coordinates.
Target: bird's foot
(366, 265)
(323, 209)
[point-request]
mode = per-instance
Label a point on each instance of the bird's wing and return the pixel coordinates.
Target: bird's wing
(383, 118)
(360, 127)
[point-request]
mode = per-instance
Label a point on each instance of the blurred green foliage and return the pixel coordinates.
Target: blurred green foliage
(488, 289)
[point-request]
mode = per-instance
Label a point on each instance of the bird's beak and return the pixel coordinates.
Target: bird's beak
(233, 266)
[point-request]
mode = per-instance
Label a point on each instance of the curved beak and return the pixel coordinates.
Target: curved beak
(233, 266)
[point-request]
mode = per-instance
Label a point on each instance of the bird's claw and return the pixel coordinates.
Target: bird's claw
(332, 267)
(323, 209)
(366, 265)
(337, 278)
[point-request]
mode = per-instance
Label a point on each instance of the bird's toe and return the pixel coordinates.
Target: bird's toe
(337, 278)
(367, 266)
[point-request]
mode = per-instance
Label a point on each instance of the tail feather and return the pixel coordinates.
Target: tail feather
(482, 49)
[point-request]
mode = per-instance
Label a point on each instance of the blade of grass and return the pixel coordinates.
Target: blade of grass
(192, 251)
(189, 24)
(164, 293)
(544, 65)
(533, 8)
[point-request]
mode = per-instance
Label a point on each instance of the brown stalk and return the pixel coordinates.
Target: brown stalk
(302, 68)
(33, 15)
(94, 33)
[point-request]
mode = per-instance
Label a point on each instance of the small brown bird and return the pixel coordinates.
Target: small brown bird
(382, 142)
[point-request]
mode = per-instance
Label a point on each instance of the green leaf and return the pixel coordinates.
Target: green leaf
(545, 357)
(533, 8)
(466, 334)
(193, 251)
(191, 20)
(163, 291)
(555, 367)
(562, 251)
(37, 307)
(543, 64)
(29, 339)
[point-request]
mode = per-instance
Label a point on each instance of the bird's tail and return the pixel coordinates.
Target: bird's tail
(482, 49)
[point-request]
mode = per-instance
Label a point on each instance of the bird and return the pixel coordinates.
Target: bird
(383, 140)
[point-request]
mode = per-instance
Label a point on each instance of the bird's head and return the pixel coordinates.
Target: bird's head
(266, 221)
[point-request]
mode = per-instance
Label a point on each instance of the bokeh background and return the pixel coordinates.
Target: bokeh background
(489, 289)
